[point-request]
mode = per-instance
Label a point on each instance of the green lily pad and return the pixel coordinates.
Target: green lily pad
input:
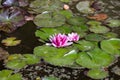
(99, 29)
(39, 6)
(94, 37)
(11, 41)
(56, 56)
(113, 23)
(84, 7)
(46, 33)
(31, 59)
(97, 74)
(8, 75)
(76, 21)
(110, 35)
(93, 23)
(111, 46)
(15, 64)
(16, 76)
(67, 13)
(49, 20)
(65, 1)
(84, 45)
(94, 59)
(4, 74)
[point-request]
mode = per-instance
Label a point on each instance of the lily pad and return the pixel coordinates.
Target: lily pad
(111, 46)
(99, 29)
(15, 64)
(96, 27)
(49, 20)
(39, 6)
(8, 75)
(46, 32)
(84, 7)
(76, 21)
(94, 59)
(56, 56)
(94, 37)
(84, 45)
(67, 13)
(65, 1)
(11, 41)
(31, 59)
(113, 23)
(110, 35)
(97, 74)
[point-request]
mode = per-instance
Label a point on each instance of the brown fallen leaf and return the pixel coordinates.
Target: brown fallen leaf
(99, 17)
(3, 54)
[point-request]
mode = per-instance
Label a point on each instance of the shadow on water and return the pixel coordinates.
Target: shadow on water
(26, 34)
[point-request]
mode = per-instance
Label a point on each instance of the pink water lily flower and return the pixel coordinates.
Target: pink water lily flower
(60, 40)
(73, 37)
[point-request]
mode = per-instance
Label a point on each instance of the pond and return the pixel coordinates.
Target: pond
(34, 36)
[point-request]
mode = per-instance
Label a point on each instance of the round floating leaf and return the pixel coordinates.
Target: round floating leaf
(15, 64)
(110, 35)
(67, 13)
(94, 37)
(111, 46)
(39, 6)
(49, 20)
(4, 74)
(76, 21)
(99, 29)
(8, 75)
(56, 56)
(113, 23)
(93, 23)
(94, 59)
(84, 7)
(31, 59)
(16, 76)
(84, 45)
(97, 74)
(46, 33)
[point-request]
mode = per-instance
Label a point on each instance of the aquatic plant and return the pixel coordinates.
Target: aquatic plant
(10, 41)
(10, 75)
(18, 61)
(61, 40)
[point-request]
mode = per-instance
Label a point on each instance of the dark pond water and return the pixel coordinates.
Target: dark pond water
(29, 41)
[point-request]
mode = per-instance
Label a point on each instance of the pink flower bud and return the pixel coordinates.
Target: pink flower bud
(73, 37)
